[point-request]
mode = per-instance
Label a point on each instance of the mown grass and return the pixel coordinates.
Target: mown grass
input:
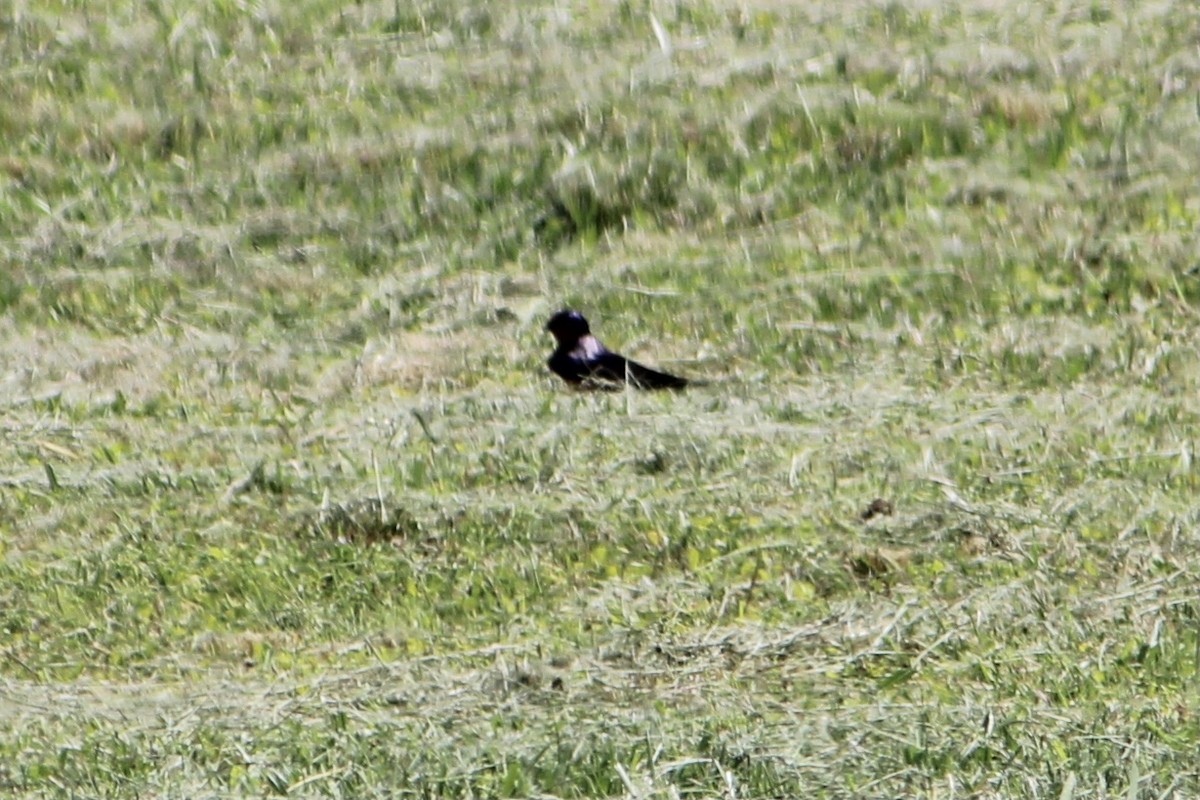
(290, 504)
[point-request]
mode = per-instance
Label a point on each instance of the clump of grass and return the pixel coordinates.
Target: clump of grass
(367, 521)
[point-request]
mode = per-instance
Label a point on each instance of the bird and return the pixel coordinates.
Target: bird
(583, 361)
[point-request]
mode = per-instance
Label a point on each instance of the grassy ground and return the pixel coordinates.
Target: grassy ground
(290, 504)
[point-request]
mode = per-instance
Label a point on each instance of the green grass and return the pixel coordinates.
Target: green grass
(289, 503)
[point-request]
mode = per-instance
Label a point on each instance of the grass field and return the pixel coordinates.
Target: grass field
(289, 504)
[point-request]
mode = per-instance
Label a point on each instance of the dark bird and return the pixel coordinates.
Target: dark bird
(583, 361)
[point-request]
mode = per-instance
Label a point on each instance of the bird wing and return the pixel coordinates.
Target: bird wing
(613, 367)
(594, 365)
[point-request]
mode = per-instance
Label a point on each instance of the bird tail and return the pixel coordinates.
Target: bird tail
(645, 378)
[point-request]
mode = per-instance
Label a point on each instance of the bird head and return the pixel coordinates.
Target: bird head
(568, 326)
